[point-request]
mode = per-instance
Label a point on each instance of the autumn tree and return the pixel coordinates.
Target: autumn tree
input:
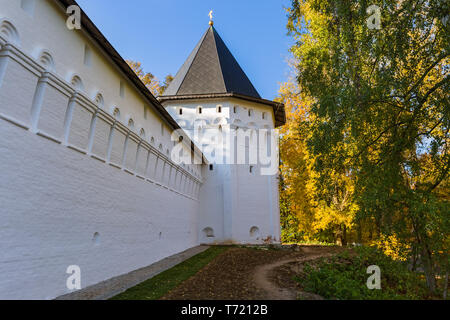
(297, 214)
(381, 111)
(169, 78)
(151, 82)
(319, 211)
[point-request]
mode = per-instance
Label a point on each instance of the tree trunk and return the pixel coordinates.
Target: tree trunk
(445, 286)
(344, 236)
(359, 228)
(428, 267)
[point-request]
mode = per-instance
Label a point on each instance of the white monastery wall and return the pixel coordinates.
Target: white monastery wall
(80, 184)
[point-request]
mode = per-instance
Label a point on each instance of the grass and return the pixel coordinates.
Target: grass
(158, 286)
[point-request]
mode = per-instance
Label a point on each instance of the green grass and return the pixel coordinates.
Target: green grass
(159, 285)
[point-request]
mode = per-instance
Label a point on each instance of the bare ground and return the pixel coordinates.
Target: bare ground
(251, 274)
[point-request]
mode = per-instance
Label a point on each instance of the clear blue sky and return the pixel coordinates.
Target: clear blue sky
(162, 33)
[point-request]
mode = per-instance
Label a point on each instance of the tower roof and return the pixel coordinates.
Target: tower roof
(211, 69)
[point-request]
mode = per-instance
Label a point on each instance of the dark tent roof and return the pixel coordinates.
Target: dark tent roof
(211, 68)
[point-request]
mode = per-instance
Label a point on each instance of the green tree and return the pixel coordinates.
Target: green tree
(381, 112)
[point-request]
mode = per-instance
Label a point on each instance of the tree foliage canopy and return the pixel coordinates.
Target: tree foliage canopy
(379, 116)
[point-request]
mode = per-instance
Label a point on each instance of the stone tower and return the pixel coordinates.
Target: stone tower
(211, 96)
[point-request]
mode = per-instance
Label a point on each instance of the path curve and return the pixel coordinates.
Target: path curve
(273, 291)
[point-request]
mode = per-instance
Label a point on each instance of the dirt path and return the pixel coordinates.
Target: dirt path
(268, 276)
(250, 274)
(272, 290)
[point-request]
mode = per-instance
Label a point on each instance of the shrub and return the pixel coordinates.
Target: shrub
(344, 276)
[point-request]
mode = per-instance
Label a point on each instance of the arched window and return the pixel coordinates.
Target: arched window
(264, 115)
(199, 110)
(152, 140)
(250, 112)
(142, 133)
(131, 124)
(219, 109)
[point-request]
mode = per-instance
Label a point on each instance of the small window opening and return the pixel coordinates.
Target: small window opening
(28, 6)
(122, 89)
(87, 56)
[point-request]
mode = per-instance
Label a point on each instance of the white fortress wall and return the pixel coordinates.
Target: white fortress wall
(85, 173)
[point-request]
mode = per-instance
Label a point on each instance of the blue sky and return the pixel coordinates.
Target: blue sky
(162, 33)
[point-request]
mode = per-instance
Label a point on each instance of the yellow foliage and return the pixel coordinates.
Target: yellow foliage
(392, 247)
(314, 213)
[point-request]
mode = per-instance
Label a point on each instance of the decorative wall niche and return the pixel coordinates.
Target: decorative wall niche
(77, 83)
(46, 60)
(99, 101)
(9, 32)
